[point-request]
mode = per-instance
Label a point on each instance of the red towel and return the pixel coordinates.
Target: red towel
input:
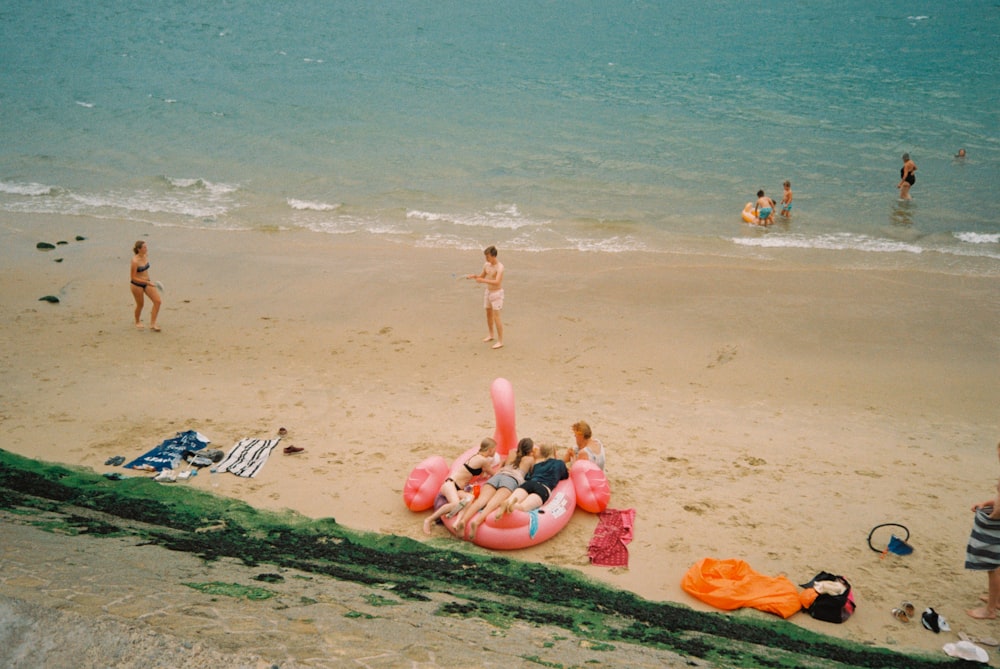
(611, 536)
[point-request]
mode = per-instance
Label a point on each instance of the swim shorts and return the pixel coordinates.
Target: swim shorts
(503, 480)
(536, 488)
(764, 212)
(786, 207)
(493, 299)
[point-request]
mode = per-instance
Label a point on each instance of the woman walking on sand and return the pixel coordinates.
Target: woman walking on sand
(142, 286)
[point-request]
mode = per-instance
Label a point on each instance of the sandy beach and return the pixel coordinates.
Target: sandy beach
(772, 411)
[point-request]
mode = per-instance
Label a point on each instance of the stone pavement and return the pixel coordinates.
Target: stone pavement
(86, 601)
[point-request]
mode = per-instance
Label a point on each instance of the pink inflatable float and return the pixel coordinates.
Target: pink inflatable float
(586, 487)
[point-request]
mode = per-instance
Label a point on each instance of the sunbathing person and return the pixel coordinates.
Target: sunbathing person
(495, 491)
(538, 485)
(453, 487)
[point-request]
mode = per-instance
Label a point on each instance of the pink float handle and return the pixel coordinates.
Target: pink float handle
(592, 490)
(505, 435)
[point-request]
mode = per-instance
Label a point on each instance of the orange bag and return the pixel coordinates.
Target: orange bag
(732, 584)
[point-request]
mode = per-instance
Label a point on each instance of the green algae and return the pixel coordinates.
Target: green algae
(185, 519)
(234, 590)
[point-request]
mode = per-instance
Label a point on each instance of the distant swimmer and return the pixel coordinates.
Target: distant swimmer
(960, 154)
(786, 200)
(492, 276)
(906, 177)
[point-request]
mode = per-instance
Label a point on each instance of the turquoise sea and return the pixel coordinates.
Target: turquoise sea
(590, 125)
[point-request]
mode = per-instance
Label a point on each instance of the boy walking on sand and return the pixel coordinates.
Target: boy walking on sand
(492, 276)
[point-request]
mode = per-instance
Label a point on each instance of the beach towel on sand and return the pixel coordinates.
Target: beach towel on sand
(608, 547)
(169, 453)
(732, 584)
(247, 457)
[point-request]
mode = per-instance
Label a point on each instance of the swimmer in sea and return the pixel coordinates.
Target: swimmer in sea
(142, 286)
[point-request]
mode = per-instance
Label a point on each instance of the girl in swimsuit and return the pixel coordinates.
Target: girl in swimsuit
(453, 487)
(496, 491)
(142, 286)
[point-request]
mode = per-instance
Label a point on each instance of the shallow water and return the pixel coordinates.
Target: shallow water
(592, 126)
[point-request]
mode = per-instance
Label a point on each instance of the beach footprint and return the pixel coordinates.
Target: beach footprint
(725, 354)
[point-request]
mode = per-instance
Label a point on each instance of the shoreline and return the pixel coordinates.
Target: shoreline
(744, 404)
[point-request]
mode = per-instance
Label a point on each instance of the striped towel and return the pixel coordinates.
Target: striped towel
(247, 457)
(983, 551)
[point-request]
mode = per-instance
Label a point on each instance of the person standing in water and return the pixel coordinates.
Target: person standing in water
(143, 287)
(906, 177)
(786, 200)
(492, 276)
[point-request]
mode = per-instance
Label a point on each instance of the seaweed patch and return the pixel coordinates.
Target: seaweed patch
(497, 589)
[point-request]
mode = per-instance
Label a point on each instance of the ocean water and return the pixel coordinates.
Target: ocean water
(598, 126)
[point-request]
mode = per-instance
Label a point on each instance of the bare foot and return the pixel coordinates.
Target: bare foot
(139, 325)
(427, 526)
(499, 344)
(490, 338)
(504, 508)
(473, 526)
(984, 598)
(459, 526)
(982, 613)
(154, 328)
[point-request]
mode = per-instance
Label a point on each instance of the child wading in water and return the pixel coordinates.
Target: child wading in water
(786, 201)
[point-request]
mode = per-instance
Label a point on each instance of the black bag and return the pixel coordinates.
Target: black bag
(828, 607)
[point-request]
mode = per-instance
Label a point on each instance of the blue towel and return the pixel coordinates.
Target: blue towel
(169, 453)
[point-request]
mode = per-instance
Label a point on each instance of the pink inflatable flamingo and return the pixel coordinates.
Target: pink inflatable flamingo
(586, 487)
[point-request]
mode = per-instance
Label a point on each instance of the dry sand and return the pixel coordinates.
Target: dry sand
(773, 411)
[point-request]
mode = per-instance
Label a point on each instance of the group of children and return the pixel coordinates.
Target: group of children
(523, 483)
(763, 210)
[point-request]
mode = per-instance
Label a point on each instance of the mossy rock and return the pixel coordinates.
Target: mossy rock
(44, 246)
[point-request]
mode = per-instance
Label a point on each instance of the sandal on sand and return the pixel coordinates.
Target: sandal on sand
(900, 614)
(909, 609)
(934, 621)
(282, 432)
(292, 450)
(984, 640)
